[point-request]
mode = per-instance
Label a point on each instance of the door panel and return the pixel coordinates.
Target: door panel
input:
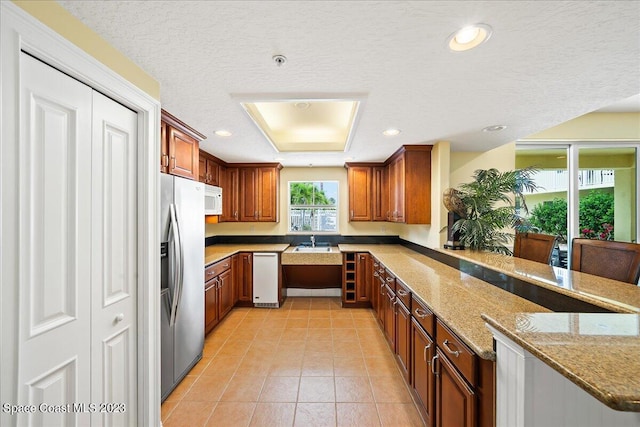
(114, 252)
(55, 231)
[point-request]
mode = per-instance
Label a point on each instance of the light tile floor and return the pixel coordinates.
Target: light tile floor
(308, 363)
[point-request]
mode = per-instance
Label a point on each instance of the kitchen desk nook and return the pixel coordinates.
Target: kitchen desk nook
(453, 369)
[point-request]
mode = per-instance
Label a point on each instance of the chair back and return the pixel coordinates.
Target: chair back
(534, 246)
(606, 258)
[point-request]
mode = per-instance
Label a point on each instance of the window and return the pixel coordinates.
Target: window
(313, 206)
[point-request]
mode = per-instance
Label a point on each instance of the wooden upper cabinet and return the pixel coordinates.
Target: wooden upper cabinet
(379, 193)
(409, 172)
(230, 183)
(164, 148)
(248, 194)
(268, 189)
(259, 187)
(209, 169)
(398, 190)
(359, 179)
(179, 147)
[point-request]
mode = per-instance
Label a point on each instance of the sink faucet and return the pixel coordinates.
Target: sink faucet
(313, 241)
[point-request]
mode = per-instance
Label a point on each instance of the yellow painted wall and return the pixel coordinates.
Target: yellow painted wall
(594, 127)
(463, 164)
(58, 19)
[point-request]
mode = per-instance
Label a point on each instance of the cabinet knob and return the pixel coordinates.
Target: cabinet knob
(119, 318)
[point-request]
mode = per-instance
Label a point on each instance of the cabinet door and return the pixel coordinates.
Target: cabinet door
(183, 154)
(390, 317)
(267, 194)
(382, 297)
(379, 194)
(363, 274)
(396, 189)
(164, 148)
(245, 277)
(202, 167)
(235, 262)
(422, 378)
(225, 294)
(210, 305)
(212, 172)
(230, 183)
(248, 194)
(359, 178)
(403, 337)
(455, 400)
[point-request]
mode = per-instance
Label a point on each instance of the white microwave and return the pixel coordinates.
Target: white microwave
(212, 200)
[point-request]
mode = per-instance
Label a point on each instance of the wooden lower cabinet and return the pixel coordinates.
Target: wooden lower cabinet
(422, 377)
(451, 385)
(389, 316)
(244, 278)
(363, 277)
(211, 318)
(218, 293)
(403, 338)
(455, 399)
(225, 293)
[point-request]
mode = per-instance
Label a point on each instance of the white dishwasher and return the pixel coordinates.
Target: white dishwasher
(265, 279)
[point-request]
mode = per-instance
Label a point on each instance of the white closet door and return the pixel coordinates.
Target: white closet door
(114, 261)
(78, 256)
(55, 244)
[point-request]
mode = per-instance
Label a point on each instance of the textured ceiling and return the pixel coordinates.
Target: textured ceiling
(546, 62)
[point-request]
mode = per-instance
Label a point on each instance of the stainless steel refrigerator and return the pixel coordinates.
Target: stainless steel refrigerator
(182, 283)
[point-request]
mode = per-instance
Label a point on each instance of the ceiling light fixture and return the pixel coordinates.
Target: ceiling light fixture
(391, 132)
(223, 133)
(494, 128)
(302, 105)
(469, 37)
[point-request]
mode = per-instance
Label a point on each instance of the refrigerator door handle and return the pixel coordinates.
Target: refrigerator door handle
(178, 254)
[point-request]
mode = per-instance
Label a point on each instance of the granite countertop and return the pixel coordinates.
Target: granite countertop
(611, 294)
(289, 257)
(599, 352)
(219, 252)
(455, 297)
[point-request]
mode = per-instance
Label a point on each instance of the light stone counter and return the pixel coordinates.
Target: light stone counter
(611, 294)
(290, 257)
(456, 298)
(214, 253)
(599, 352)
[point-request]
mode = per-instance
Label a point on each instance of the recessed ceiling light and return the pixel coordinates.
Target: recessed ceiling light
(223, 133)
(469, 37)
(391, 132)
(494, 128)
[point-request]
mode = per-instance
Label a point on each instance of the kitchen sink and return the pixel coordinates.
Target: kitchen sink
(312, 249)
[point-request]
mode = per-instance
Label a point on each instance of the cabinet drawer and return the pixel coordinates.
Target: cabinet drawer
(423, 315)
(458, 353)
(403, 293)
(215, 269)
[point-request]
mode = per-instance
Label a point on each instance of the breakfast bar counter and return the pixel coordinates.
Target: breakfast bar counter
(599, 351)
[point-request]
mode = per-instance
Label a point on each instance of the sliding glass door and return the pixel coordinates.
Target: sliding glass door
(584, 190)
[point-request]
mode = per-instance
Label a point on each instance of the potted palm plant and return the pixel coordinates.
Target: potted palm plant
(489, 206)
